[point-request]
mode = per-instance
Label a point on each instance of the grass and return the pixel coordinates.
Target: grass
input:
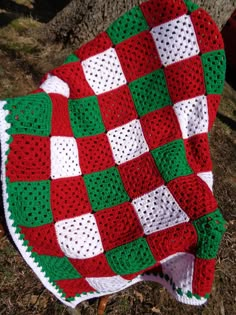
(24, 61)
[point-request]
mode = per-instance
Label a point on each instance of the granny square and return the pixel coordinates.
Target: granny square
(61, 125)
(185, 79)
(96, 266)
(165, 217)
(29, 158)
(103, 71)
(75, 78)
(85, 117)
(117, 107)
(127, 141)
(95, 153)
(43, 240)
(150, 92)
(30, 115)
(79, 237)
(96, 46)
(140, 175)
(160, 127)
(176, 164)
(35, 196)
(122, 225)
(196, 122)
(138, 56)
(129, 24)
(106, 167)
(169, 39)
(130, 257)
(159, 12)
(53, 84)
(64, 165)
(107, 283)
(69, 198)
(100, 187)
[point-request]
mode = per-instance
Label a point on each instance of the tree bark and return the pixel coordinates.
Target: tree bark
(82, 20)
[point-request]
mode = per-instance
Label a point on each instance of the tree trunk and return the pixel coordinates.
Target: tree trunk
(82, 20)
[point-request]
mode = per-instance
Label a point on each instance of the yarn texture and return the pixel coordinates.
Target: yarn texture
(107, 174)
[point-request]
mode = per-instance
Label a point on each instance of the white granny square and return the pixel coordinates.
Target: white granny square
(106, 284)
(158, 210)
(64, 157)
(127, 141)
(103, 71)
(175, 40)
(192, 115)
(179, 267)
(53, 84)
(79, 237)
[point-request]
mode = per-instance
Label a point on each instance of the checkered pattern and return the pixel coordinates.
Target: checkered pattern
(108, 170)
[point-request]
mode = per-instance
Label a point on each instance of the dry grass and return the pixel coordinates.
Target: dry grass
(23, 61)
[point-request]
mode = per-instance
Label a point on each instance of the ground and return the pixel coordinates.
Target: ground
(23, 61)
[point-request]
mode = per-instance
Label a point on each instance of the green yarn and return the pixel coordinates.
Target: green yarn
(85, 117)
(150, 92)
(129, 24)
(210, 229)
(30, 115)
(171, 160)
(131, 257)
(105, 189)
(56, 268)
(30, 203)
(214, 65)
(191, 6)
(71, 58)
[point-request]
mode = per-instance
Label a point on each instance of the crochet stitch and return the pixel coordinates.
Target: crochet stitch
(107, 175)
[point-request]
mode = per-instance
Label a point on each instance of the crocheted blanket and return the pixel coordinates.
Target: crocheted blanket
(107, 175)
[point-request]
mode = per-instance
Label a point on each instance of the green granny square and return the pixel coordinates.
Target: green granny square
(214, 65)
(30, 115)
(150, 92)
(131, 258)
(171, 160)
(85, 116)
(30, 203)
(129, 24)
(105, 189)
(56, 268)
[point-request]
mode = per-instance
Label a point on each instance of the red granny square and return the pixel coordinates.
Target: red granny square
(69, 198)
(138, 56)
(213, 102)
(198, 153)
(185, 79)
(118, 225)
(60, 116)
(193, 195)
(207, 32)
(160, 127)
(158, 12)
(43, 239)
(180, 238)
(140, 175)
(117, 107)
(99, 44)
(75, 78)
(29, 158)
(72, 287)
(95, 153)
(203, 276)
(93, 267)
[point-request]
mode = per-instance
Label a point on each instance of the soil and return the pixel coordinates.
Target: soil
(23, 61)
